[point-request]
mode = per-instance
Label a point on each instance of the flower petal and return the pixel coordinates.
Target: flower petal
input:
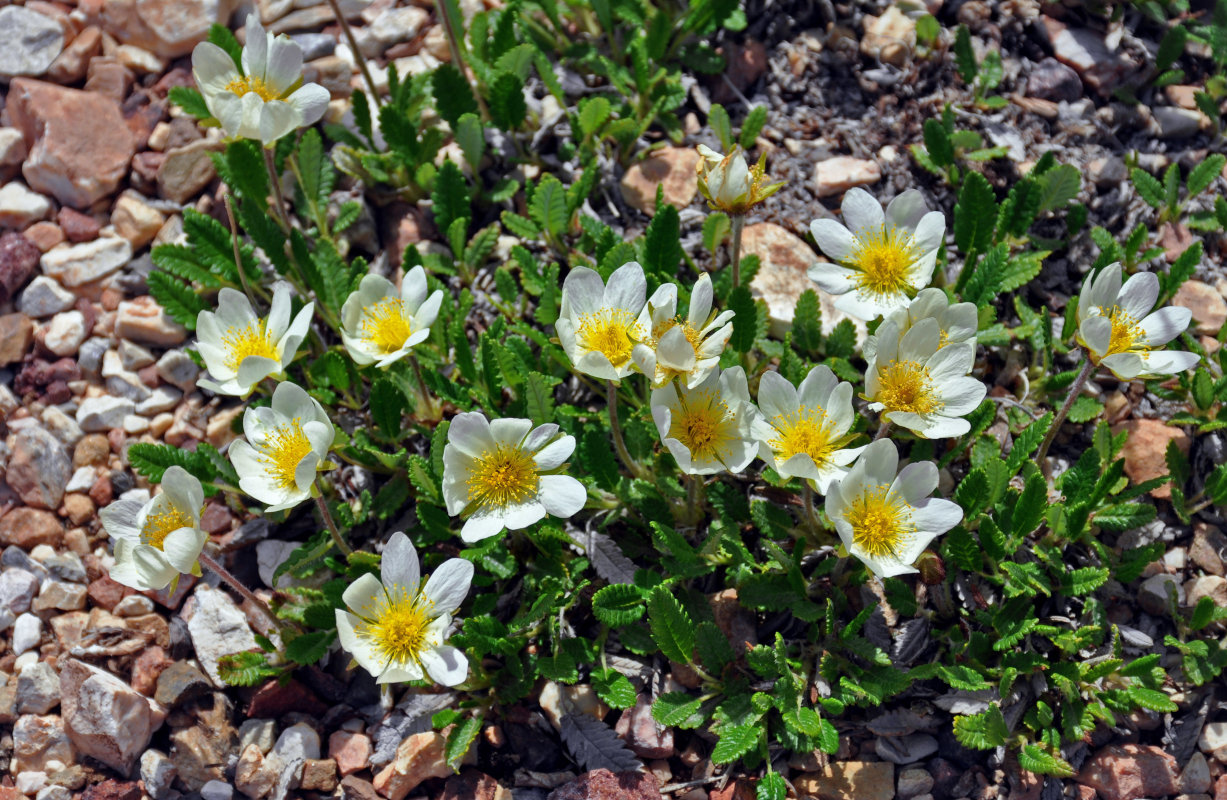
(562, 495)
(449, 584)
(833, 239)
(445, 665)
(862, 211)
(399, 565)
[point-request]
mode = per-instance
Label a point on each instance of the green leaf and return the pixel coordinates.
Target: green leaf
(191, 101)
(713, 647)
(1058, 186)
(1124, 516)
(718, 121)
(937, 143)
(1027, 441)
(245, 669)
(1171, 47)
(309, 648)
(450, 196)
(452, 93)
(507, 107)
(671, 627)
(735, 742)
(983, 731)
(662, 246)
(387, 405)
(1019, 270)
(618, 604)
(549, 206)
(221, 36)
(991, 72)
(745, 321)
(179, 301)
(1148, 187)
(1034, 759)
(1181, 270)
(752, 125)
(614, 688)
(1204, 174)
(593, 112)
(1085, 409)
(152, 461)
(460, 740)
(975, 214)
(807, 323)
(771, 787)
(678, 710)
(964, 55)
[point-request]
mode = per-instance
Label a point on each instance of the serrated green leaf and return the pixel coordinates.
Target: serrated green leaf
(745, 321)
(618, 604)
(460, 740)
(671, 627)
(735, 742)
(983, 731)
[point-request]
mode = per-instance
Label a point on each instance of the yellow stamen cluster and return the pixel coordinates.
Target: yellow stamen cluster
(612, 332)
(284, 449)
(252, 340)
(703, 424)
(502, 476)
(1126, 332)
(692, 334)
(881, 526)
(387, 325)
(907, 386)
(883, 258)
(397, 625)
(250, 83)
(162, 524)
(808, 432)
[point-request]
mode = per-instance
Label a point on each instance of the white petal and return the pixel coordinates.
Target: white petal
(449, 584)
(362, 651)
(481, 526)
(278, 118)
(861, 210)
(555, 454)
(310, 101)
(562, 495)
(362, 596)
(470, 434)
(446, 665)
(1137, 297)
(213, 68)
(1164, 325)
(627, 288)
(510, 430)
(833, 279)
(399, 565)
(915, 482)
(182, 548)
(1096, 334)
(284, 67)
(1168, 362)
(936, 515)
(906, 210)
(833, 239)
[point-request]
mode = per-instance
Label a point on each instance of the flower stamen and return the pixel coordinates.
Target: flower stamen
(883, 256)
(250, 83)
(612, 332)
(397, 625)
(246, 342)
(808, 431)
(703, 424)
(503, 476)
(386, 325)
(907, 386)
(881, 526)
(162, 524)
(1126, 332)
(283, 451)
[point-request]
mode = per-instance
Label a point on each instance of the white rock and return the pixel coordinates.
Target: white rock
(20, 207)
(135, 424)
(25, 659)
(1195, 777)
(103, 413)
(30, 782)
(129, 386)
(112, 364)
(133, 356)
(1176, 123)
(216, 790)
(105, 717)
(1213, 739)
(27, 633)
(38, 742)
(54, 792)
(29, 41)
(296, 744)
(138, 60)
(163, 398)
(260, 732)
(83, 263)
(391, 26)
(61, 426)
(82, 480)
(269, 555)
(44, 297)
(65, 332)
(38, 689)
(218, 628)
(134, 605)
(178, 369)
(1153, 593)
(12, 147)
(17, 589)
(841, 173)
(158, 773)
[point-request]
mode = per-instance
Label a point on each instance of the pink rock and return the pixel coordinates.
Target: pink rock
(601, 784)
(106, 719)
(351, 751)
(76, 163)
(168, 29)
(1129, 772)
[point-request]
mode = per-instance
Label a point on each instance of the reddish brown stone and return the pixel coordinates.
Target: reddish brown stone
(37, 374)
(601, 784)
(107, 593)
(77, 227)
(29, 527)
(216, 519)
(272, 701)
(739, 789)
(16, 336)
(1220, 788)
(102, 493)
(113, 790)
(18, 263)
(1130, 772)
(109, 78)
(142, 112)
(473, 784)
(75, 163)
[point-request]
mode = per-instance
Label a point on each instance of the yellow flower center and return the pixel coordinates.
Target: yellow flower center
(1125, 332)
(253, 340)
(883, 257)
(880, 526)
(692, 334)
(703, 424)
(162, 524)
(611, 332)
(807, 431)
(502, 476)
(284, 449)
(250, 83)
(907, 386)
(397, 625)
(387, 324)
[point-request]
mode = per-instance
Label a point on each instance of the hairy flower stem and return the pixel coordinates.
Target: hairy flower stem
(811, 514)
(217, 569)
(275, 178)
(238, 258)
(882, 431)
(739, 223)
(694, 499)
(1075, 389)
(332, 525)
(353, 46)
(616, 428)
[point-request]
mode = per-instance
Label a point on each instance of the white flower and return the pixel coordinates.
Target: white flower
(380, 324)
(920, 385)
(884, 259)
(707, 428)
(803, 432)
(395, 626)
(956, 324)
(286, 444)
(677, 348)
(600, 325)
(886, 520)
(157, 541)
(268, 99)
(240, 349)
(729, 184)
(1117, 329)
(496, 474)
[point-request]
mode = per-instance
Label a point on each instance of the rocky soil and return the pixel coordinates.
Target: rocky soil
(109, 693)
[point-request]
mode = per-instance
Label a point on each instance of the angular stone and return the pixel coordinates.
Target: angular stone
(418, 757)
(218, 628)
(601, 784)
(29, 41)
(351, 751)
(1086, 51)
(38, 689)
(864, 780)
(44, 297)
(1052, 80)
(187, 170)
(27, 633)
(474, 785)
(158, 774)
(16, 336)
(136, 220)
(197, 756)
(18, 262)
(1144, 450)
(72, 63)
(87, 262)
(890, 37)
(144, 321)
(672, 167)
(76, 164)
(168, 29)
(250, 776)
(1211, 586)
(60, 596)
(103, 413)
(783, 275)
(1130, 772)
(65, 332)
(77, 227)
(1195, 777)
(179, 683)
(841, 173)
(39, 468)
(319, 775)
(17, 590)
(643, 734)
(37, 741)
(106, 719)
(20, 207)
(1208, 306)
